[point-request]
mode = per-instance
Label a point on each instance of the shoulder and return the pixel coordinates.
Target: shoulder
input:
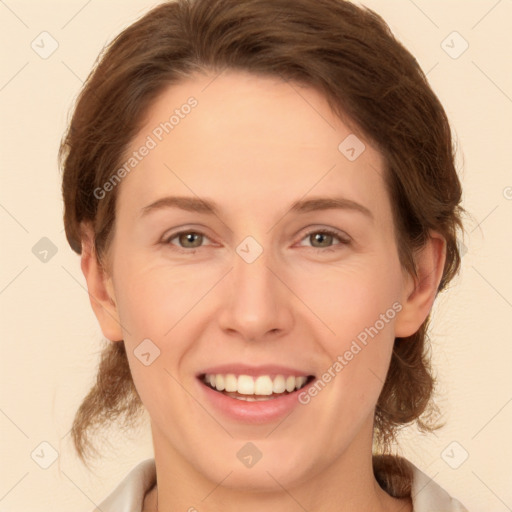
(427, 495)
(128, 496)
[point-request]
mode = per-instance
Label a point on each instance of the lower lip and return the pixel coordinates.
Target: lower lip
(264, 411)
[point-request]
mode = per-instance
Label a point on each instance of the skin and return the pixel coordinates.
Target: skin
(254, 145)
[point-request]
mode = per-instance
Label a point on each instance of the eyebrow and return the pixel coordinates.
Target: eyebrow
(205, 206)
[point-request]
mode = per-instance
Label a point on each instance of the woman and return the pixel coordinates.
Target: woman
(265, 202)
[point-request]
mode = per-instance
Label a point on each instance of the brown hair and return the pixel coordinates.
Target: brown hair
(370, 81)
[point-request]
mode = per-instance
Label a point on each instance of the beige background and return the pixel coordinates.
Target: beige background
(50, 338)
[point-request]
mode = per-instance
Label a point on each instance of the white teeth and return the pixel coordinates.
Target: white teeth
(279, 384)
(230, 382)
(218, 381)
(300, 381)
(245, 385)
(290, 384)
(248, 385)
(263, 385)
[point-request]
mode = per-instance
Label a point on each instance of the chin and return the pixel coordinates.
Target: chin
(259, 479)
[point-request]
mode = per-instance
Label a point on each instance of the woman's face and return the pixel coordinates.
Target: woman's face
(257, 288)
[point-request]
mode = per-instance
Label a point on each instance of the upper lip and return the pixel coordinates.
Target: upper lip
(255, 371)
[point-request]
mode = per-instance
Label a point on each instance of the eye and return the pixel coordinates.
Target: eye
(324, 237)
(188, 240)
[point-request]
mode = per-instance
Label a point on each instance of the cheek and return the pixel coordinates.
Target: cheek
(359, 306)
(351, 298)
(152, 306)
(153, 298)
(163, 304)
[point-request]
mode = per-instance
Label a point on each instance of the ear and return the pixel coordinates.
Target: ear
(419, 292)
(100, 288)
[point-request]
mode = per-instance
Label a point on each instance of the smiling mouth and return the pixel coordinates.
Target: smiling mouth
(255, 389)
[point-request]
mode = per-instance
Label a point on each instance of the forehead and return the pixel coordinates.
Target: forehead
(243, 139)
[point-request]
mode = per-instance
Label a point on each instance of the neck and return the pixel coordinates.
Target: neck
(347, 485)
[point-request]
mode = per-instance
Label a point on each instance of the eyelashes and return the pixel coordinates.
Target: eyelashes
(324, 232)
(343, 239)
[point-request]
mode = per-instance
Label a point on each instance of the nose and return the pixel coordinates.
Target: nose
(257, 304)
